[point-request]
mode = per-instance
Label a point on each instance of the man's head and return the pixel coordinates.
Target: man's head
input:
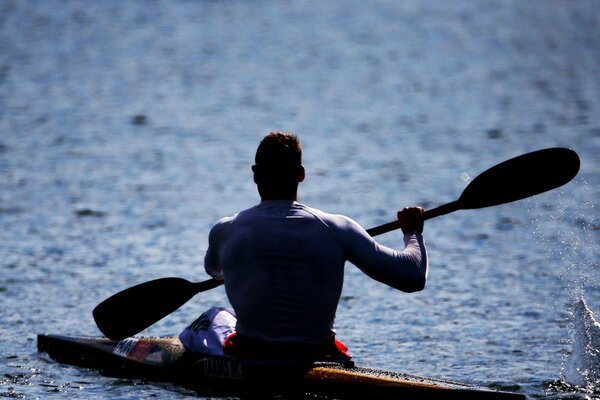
(278, 166)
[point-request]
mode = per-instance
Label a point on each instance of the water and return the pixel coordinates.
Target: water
(127, 130)
(581, 368)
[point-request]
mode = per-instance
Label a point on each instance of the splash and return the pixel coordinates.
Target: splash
(568, 234)
(582, 368)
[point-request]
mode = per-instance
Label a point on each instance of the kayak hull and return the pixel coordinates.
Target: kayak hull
(165, 359)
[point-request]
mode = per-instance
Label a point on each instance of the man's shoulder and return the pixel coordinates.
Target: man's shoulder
(223, 223)
(338, 220)
(233, 217)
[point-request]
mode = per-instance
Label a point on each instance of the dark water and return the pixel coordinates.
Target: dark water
(127, 129)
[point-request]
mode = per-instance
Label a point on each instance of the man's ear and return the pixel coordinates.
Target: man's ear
(302, 174)
(254, 173)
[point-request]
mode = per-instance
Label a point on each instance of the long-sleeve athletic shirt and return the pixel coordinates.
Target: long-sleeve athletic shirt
(283, 267)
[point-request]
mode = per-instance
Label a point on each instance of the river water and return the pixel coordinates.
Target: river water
(128, 128)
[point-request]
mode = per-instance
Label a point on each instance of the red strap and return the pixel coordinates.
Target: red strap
(342, 348)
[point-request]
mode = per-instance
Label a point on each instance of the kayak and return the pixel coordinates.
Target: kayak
(166, 360)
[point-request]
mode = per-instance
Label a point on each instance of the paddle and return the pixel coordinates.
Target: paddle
(515, 179)
(133, 310)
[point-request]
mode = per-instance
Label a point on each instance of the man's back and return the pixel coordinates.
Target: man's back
(283, 268)
(283, 265)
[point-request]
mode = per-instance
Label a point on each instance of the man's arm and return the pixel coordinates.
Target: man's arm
(404, 270)
(212, 263)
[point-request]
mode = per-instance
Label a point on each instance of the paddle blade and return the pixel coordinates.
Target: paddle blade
(136, 308)
(514, 179)
(521, 177)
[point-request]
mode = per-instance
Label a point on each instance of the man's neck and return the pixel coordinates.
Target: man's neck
(281, 198)
(266, 194)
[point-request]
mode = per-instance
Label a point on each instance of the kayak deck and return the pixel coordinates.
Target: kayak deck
(165, 359)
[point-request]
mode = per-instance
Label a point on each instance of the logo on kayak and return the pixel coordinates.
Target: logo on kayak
(133, 349)
(125, 346)
(222, 368)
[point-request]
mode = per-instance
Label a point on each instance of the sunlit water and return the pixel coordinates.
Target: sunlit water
(582, 367)
(128, 128)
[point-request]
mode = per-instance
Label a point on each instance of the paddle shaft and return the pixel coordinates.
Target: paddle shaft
(428, 214)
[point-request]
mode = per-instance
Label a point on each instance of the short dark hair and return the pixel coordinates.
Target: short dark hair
(278, 151)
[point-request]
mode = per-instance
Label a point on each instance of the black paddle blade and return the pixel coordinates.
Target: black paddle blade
(136, 308)
(520, 177)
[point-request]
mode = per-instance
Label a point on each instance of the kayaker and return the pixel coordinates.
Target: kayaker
(282, 263)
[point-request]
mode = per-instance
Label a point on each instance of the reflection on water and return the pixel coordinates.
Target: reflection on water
(127, 130)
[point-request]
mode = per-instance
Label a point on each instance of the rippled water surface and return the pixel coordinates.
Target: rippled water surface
(128, 128)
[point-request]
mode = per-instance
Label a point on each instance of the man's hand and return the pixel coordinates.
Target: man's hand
(411, 219)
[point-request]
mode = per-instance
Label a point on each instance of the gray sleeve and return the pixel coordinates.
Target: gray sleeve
(404, 270)
(212, 263)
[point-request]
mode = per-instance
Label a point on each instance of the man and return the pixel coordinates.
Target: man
(283, 262)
